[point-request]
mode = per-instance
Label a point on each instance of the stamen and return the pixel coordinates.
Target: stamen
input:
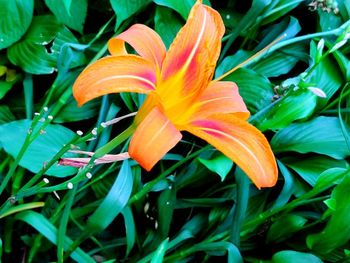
(70, 185)
(251, 58)
(46, 181)
(114, 121)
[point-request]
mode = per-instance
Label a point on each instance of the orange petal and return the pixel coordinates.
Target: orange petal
(221, 97)
(242, 143)
(153, 138)
(143, 39)
(190, 62)
(128, 73)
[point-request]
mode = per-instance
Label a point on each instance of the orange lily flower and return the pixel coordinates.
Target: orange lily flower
(181, 94)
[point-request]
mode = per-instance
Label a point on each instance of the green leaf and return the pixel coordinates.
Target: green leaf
(16, 16)
(219, 164)
(41, 150)
(21, 207)
(30, 53)
(321, 135)
(329, 178)
(45, 227)
(159, 253)
(166, 205)
(290, 256)
(5, 87)
(183, 7)
(73, 15)
(67, 4)
(284, 227)
(126, 8)
(34, 55)
(165, 27)
(337, 231)
(130, 228)
(311, 168)
(233, 253)
(288, 188)
(113, 203)
(278, 9)
(255, 89)
(281, 61)
(294, 106)
(328, 21)
(326, 76)
(71, 112)
(6, 114)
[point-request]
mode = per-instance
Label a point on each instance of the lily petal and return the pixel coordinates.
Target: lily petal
(221, 97)
(146, 42)
(153, 138)
(189, 64)
(242, 143)
(128, 73)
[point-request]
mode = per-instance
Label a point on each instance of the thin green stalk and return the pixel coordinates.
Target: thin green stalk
(61, 233)
(28, 95)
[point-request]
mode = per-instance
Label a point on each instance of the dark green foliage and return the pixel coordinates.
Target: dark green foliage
(195, 205)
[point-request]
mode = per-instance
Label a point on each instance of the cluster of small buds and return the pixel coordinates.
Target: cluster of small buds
(324, 5)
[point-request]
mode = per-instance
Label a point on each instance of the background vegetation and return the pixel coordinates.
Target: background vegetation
(196, 205)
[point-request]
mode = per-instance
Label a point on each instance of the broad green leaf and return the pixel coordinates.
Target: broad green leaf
(6, 114)
(5, 86)
(278, 9)
(284, 227)
(311, 168)
(73, 16)
(183, 7)
(247, 21)
(71, 112)
(294, 106)
(49, 231)
(281, 61)
(67, 4)
(41, 150)
(113, 203)
(255, 89)
(326, 76)
(329, 178)
(337, 231)
(219, 164)
(34, 55)
(328, 21)
(30, 53)
(126, 8)
(159, 253)
(165, 27)
(344, 64)
(289, 26)
(16, 16)
(321, 135)
(290, 256)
